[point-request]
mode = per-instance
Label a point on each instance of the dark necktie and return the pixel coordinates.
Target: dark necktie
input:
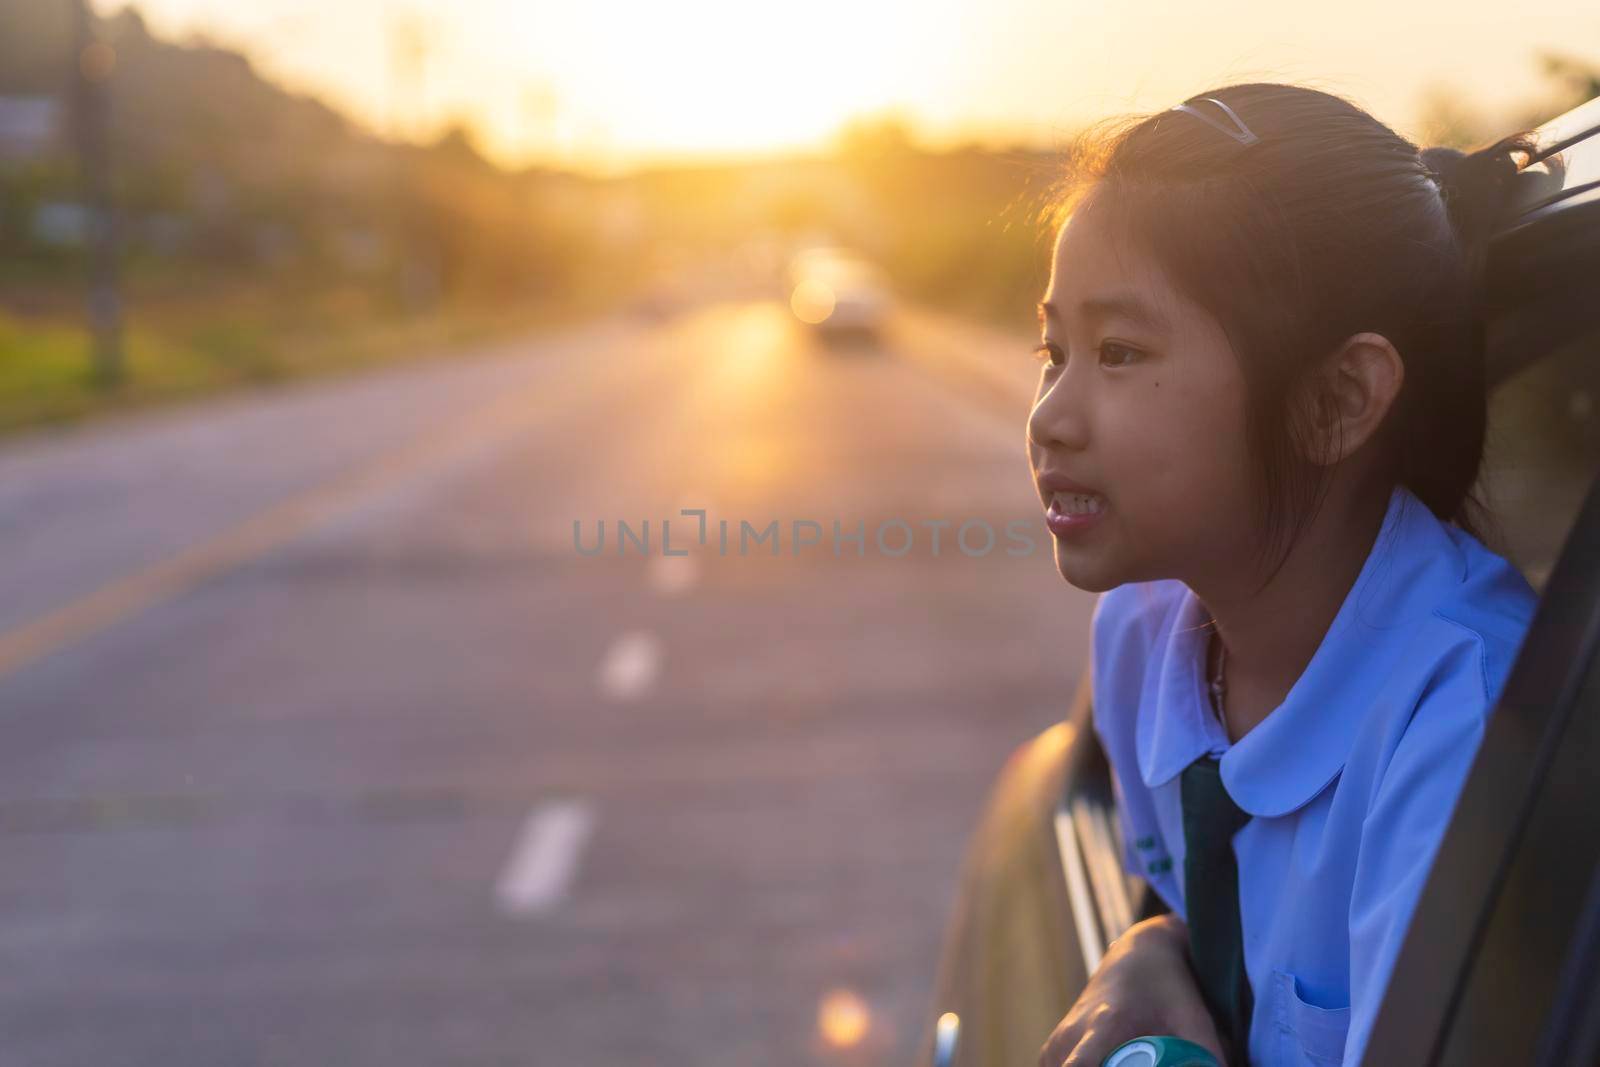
(1211, 898)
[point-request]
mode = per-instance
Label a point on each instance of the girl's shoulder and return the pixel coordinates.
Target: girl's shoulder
(1459, 659)
(1447, 682)
(1492, 601)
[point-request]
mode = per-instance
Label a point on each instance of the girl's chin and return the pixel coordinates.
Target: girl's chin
(1083, 571)
(1079, 575)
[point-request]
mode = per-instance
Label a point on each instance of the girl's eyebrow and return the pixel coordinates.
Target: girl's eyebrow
(1121, 306)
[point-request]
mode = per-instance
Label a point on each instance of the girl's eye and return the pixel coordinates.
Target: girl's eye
(1050, 351)
(1112, 354)
(1121, 355)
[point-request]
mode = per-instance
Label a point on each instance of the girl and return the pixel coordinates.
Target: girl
(1260, 416)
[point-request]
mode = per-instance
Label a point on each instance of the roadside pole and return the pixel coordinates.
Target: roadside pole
(92, 63)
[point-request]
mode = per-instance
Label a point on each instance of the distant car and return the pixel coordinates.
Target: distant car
(837, 291)
(1501, 963)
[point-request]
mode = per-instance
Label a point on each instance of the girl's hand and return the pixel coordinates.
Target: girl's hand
(1142, 986)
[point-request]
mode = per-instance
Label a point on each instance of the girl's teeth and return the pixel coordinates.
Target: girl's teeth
(1080, 503)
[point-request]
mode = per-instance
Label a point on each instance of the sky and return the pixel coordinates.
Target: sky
(604, 85)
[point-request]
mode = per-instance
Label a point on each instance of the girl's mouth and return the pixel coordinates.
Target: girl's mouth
(1069, 513)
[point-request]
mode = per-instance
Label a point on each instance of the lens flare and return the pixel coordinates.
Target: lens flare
(843, 1019)
(812, 302)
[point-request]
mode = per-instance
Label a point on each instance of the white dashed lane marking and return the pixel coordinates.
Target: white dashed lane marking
(631, 666)
(545, 859)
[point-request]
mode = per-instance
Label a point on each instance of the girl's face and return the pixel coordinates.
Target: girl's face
(1141, 399)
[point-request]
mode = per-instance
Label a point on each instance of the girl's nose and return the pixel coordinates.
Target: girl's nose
(1059, 417)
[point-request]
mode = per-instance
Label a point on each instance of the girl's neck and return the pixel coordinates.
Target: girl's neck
(1271, 635)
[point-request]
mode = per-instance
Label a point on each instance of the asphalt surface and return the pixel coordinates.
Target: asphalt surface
(325, 744)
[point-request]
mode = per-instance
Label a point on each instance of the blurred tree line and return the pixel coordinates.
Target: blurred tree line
(263, 234)
(216, 166)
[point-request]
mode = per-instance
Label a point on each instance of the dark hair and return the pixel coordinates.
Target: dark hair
(1330, 224)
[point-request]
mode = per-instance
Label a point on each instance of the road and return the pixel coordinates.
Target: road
(325, 744)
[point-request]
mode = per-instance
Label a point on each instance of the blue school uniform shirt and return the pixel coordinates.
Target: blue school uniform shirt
(1351, 781)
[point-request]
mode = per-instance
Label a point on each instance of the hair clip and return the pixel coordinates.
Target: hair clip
(1242, 134)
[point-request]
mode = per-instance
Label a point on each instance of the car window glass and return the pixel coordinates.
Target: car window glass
(1543, 450)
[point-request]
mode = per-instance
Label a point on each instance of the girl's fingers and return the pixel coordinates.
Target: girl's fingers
(1059, 1047)
(1090, 1052)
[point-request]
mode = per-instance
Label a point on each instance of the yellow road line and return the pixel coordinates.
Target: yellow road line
(260, 534)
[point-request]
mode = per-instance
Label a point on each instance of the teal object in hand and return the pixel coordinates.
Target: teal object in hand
(1160, 1052)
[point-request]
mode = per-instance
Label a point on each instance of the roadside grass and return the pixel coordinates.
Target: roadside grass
(178, 347)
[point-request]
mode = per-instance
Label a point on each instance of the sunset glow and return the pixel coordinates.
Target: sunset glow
(613, 84)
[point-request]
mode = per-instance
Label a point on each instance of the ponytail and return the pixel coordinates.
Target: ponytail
(1477, 189)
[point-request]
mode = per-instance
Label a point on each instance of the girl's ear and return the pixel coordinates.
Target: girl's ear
(1350, 396)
